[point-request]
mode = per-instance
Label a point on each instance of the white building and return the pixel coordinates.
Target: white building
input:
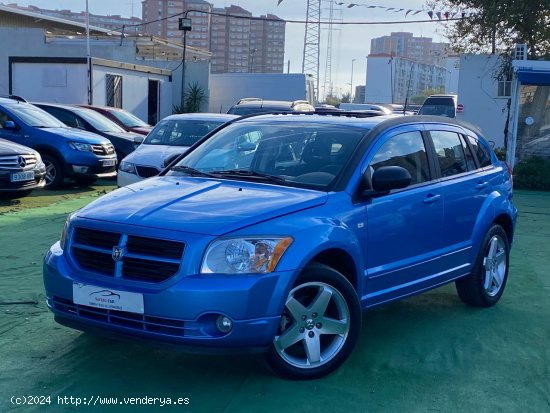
(392, 79)
(485, 101)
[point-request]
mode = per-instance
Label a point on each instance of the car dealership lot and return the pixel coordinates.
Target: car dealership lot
(427, 353)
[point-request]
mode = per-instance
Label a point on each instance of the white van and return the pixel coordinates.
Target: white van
(440, 105)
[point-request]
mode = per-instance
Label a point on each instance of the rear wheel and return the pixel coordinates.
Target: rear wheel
(54, 172)
(485, 285)
(319, 326)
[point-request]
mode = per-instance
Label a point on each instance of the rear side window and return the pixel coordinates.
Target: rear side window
(408, 151)
(450, 152)
(481, 151)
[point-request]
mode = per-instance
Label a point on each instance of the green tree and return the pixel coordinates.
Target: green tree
(493, 25)
(195, 97)
(332, 100)
(419, 99)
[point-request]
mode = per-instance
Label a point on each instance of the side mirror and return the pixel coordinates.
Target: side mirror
(387, 178)
(10, 125)
(246, 147)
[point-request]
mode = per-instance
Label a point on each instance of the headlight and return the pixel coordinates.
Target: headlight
(251, 255)
(65, 231)
(86, 147)
(127, 167)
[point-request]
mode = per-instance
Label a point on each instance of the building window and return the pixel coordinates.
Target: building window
(504, 88)
(113, 93)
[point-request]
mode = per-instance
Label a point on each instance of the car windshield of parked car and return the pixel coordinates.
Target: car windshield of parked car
(439, 107)
(180, 132)
(100, 122)
(33, 116)
(303, 154)
(129, 120)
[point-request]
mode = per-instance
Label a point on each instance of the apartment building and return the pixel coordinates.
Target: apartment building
(239, 42)
(111, 22)
(404, 44)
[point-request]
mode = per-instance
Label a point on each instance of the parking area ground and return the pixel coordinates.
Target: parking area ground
(428, 353)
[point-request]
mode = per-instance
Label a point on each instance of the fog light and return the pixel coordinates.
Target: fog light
(224, 324)
(80, 169)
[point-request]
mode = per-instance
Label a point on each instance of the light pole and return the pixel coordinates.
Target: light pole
(185, 26)
(251, 65)
(351, 83)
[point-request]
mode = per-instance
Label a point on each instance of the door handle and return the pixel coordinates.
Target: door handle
(431, 198)
(481, 185)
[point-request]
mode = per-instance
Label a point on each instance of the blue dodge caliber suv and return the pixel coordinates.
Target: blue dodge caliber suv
(274, 233)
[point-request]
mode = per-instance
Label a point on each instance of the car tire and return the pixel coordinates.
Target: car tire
(85, 180)
(306, 346)
(485, 285)
(54, 172)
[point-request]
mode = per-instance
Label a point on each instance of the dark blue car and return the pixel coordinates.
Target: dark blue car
(66, 152)
(274, 233)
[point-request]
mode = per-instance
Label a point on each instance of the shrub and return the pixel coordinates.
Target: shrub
(532, 173)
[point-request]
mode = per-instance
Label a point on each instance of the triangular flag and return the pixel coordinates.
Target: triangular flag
(397, 11)
(408, 11)
(446, 14)
(351, 5)
(431, 14)
(279, 2)
(390, 8)
(416, 12)
(438, 14)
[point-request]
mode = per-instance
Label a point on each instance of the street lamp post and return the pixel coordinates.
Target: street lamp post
(351, 83)
(185, 26)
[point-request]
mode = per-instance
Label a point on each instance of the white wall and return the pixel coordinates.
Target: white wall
(226, 89)
(135, 90)
(50, 82)
(378, 81)
(477, 91)
(452, 65)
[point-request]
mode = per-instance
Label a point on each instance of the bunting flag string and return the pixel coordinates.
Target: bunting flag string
(439, 15)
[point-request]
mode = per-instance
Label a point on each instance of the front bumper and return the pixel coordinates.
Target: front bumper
(182, 310)
(7, 186)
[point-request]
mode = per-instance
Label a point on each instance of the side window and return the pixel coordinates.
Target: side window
(450, 152)
(3, 118)
(482, 153)
(469, 156)
(408, 151)
(66, 117)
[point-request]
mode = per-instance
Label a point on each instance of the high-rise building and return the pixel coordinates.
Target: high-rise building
(239, 43)
(111, 22)
(404, 44)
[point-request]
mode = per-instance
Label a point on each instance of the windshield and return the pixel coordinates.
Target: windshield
(100, 122)
(33, 116)
(180, 132)
(128, 119)
(303, 154)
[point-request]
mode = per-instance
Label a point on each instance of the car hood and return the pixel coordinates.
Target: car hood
(10, 148)
(197, 205)
(123, 135)
(142, 130)
(77, 135)
(153, 155)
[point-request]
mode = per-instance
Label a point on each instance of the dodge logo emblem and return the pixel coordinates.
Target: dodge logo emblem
(118, 253)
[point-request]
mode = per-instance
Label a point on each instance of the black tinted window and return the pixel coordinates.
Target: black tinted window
(450, 152)
(408, 151)
(482, 153)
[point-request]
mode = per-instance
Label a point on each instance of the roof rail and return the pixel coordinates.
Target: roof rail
(14, 97)
(248, 100)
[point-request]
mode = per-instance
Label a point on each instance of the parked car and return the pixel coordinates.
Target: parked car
(439, 105)
(126, 120)
(172, 136)
(66, 152)
(91, 121)
(273, 233)
(21, 169)
(249, 106)
(365, 106)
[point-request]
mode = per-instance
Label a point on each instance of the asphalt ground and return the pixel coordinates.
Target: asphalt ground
(429, 353)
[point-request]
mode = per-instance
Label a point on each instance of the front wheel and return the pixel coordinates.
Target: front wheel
(319, 327)
(485, 285)
(54, 172)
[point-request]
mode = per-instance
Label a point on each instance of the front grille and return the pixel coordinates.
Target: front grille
(18, 162)
(139, 322)
(142, 258)
(146, 171)
(103, 149)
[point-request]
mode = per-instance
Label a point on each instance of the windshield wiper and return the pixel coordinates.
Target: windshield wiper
(192, 171)
(244, 173)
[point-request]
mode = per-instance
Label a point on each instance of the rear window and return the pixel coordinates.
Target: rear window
(441, 106)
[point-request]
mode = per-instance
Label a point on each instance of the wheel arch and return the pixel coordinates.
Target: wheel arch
(339, 260)
(505, 221)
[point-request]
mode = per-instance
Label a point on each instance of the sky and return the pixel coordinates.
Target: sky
(350, 42)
